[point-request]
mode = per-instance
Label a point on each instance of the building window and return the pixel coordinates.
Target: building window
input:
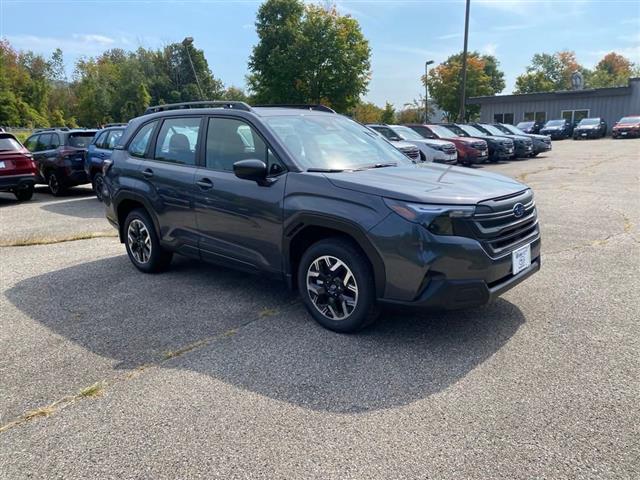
(503, 118)
(574, 116)
(539, 117)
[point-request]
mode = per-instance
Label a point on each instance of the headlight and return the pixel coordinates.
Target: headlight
(435, 218)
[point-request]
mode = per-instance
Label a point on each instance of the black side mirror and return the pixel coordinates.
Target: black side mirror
(395, 139)
(255, 170)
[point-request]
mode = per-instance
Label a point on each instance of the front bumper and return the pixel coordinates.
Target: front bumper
(504, 153)
(458, 294)
(17, 182)
(630, 133)
(522, 150)
(426, 270)
(578, 134)
(540, 147)
(442, 157)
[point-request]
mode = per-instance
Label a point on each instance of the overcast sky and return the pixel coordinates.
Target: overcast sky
(402, 34)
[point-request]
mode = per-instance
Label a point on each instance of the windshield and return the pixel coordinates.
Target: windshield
(443, 132)
(8, 143)
(512, 129)
(406, 133)
(492, 130)
(329, 142)
(81, 140)
(525, 124)
(555, 123)
(589, 121)
(471, 131)
(629, 120)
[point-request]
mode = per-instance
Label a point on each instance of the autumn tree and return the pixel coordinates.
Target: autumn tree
(367, 112)
(308, 54)
(484, 77)
(612, 71)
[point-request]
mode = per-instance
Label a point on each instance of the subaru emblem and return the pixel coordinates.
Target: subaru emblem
(518, 210)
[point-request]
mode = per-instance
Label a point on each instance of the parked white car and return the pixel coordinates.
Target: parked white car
(431, 150)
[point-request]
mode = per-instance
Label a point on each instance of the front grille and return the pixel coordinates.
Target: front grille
(496, 227)
(449, 149)
(412, 153)
(479, 145)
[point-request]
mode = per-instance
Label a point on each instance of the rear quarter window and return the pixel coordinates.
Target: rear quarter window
(80, 140)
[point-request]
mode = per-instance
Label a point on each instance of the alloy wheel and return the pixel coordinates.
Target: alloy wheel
(139, 241)
(332, 288)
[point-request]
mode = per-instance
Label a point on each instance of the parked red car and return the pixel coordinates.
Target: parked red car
(17, 169)
(470, 150)
(627, 127)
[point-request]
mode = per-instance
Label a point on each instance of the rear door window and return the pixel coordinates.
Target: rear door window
(178, 140)
(101, 141)
(44, 141)
(54, 141)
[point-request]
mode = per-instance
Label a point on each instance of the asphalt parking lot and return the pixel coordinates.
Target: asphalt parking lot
(205, 372)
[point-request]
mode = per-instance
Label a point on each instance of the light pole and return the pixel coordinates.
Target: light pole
(426, 90)
(463, 93)
(186, 43)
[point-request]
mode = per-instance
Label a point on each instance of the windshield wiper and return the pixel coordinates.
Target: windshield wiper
(378, 165)
(325, 170)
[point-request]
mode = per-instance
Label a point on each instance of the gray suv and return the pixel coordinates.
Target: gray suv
(311, 197)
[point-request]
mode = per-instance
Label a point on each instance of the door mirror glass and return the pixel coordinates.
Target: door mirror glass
(252, 169)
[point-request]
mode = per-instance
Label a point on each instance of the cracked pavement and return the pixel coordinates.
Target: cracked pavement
(210, 373)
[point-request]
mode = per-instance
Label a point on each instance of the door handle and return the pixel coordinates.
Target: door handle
(147, 173)
(205, 183)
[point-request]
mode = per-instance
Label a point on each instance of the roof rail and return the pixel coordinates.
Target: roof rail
(109, 125)
(51, 129)
(301, 106)
(203, 104)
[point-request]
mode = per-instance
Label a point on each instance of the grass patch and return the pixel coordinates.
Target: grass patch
(39, 412)
(267, 312)
(94, 390)
(28, 242)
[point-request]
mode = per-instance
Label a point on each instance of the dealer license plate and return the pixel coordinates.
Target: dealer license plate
(2, 165)
(521, 259)
(623, 133)
(584, 134)
(510, 150)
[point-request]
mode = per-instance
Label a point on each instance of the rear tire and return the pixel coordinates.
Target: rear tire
(24, 194)
(55, 187)
(335, 281)
(142, 243)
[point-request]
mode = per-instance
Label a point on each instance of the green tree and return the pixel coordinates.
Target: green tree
(388, 114)
(308, 54)
(483, 78)
(235, 93)
(367, 112)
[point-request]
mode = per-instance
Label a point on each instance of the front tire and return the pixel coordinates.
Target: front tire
(335, 281)
(143, 245)
(24, 194)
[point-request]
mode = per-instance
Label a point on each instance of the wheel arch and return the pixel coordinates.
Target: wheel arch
(307, 229)
(124, 203)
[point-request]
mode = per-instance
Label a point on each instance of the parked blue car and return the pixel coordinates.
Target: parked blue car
(100, 150)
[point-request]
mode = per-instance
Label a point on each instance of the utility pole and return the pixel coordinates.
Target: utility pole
(426, 90)
(186, 43)
(463, 93)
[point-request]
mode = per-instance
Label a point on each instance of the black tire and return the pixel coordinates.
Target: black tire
(158, 258)
(96, 184)
(55, 187)
(364, 310)
(24, 194)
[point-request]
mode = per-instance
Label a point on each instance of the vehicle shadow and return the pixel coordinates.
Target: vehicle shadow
(85, 208)
(280, 353)
(42, 195)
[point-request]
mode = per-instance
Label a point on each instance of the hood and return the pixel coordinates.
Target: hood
(428, 183)
(587, 127)
(495, 138)
(556, 127)
(626, 125)
(537, 137)
(466, 140)
(518, 137)
(434, 142)
(401, 144)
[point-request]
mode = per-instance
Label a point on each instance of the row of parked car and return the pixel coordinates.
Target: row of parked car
(596, 127)
(466, 144)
